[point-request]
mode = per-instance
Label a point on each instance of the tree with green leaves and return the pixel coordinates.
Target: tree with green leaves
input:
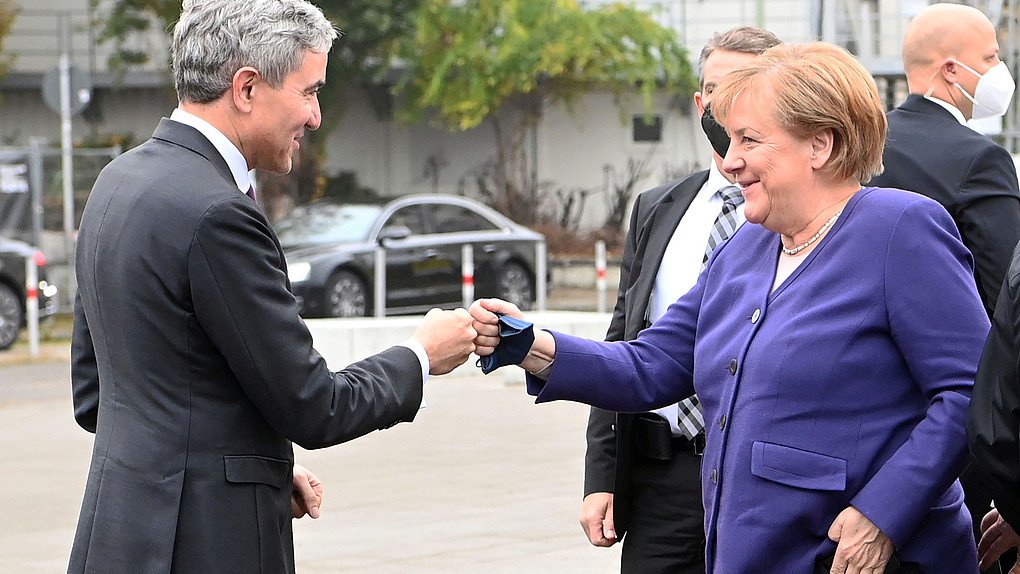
(501, 61)
(7, 14)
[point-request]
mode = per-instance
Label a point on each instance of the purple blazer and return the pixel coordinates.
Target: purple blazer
(847, 385)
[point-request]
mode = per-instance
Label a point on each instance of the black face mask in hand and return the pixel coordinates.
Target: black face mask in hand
(717, 135)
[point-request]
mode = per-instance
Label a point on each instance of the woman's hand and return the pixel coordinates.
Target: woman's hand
(861, 548)
(485, 321)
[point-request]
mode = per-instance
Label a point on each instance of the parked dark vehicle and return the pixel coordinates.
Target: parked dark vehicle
(330, 250)
(12, 289)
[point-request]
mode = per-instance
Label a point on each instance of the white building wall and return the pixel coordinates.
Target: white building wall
(577, 145)
(35, 39)
(391, 157)
(788, 19)
(574, 146)
(135, 111)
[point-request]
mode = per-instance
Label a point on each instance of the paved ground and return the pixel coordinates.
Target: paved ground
(483, 482)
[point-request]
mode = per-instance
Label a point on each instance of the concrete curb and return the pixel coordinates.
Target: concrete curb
(343, 341)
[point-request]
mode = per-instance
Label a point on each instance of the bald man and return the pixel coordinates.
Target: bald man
(951, 59)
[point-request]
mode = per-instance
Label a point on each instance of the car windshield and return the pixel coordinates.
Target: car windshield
(326, 224)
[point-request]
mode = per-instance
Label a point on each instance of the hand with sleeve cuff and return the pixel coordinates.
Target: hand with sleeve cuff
(486, 315)
(448, 339)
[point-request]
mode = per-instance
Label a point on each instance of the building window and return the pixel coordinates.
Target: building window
(646, 129)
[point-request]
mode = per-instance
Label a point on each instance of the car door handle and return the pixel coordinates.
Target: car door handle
(488, 248)
(431, 253)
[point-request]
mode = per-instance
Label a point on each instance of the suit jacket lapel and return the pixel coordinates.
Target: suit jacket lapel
(656, 235)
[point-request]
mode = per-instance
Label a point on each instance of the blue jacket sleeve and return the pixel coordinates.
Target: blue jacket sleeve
(652, 371)
(938, 322)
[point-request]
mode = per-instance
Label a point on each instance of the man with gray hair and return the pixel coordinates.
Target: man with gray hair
(189, 360)
(642, 471)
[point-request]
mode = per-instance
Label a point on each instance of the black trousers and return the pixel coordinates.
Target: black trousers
(666, 532)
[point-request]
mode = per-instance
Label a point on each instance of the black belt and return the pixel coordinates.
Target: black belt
(654, 439)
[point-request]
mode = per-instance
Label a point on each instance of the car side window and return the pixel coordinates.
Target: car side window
(410, 217)
(454, 218)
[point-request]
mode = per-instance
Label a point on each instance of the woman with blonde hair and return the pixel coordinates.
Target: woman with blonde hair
(832, 342)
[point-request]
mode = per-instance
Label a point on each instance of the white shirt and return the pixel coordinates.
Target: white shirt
(239, 170)
(684, 255)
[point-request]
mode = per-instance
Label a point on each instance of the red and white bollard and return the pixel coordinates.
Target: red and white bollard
(600, 273)
(32, 265)
(467, 275)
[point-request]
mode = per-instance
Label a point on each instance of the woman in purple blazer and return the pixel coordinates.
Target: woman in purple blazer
(833, 342)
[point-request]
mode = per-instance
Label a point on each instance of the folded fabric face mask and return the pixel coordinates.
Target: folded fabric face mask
(515, 339)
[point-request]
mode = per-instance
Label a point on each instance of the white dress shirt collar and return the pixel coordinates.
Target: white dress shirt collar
(235, 161)
(716, 180)
(950, 108)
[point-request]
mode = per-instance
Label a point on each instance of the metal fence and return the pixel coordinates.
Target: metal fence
(32, 203)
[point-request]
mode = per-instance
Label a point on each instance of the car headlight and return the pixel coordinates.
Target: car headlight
(298, 272)
(46, 289)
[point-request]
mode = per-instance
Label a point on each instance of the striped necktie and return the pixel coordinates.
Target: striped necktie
(726, 222)
(251, 193)
(690, 417)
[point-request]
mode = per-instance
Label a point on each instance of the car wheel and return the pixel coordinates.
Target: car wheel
(514, 284)
(11, 316)
(346, 295)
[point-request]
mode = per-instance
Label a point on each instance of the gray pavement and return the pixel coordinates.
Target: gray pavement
(483, 481)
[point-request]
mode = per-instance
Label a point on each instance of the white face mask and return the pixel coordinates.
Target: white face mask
(993, 93)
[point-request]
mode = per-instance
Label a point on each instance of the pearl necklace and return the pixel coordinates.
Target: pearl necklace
(809, 242)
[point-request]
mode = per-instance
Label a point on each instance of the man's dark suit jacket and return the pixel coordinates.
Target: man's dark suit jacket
(654, 218)
(928, 151)
(193, 369)
(993, 422)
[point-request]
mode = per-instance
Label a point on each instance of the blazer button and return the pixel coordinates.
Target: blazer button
(715, 476)
(733, 367)
(722, 422)
(756, 315)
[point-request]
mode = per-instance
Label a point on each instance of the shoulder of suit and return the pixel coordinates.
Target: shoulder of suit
(693, 182)
(884, 203)
(934, 134)
(173, 174)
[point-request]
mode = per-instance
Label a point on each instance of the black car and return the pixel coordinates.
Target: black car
(330, 250)
(12, 289)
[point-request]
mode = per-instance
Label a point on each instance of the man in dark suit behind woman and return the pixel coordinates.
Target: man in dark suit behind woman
(641, 473)
(951, 59)
(190, 362)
